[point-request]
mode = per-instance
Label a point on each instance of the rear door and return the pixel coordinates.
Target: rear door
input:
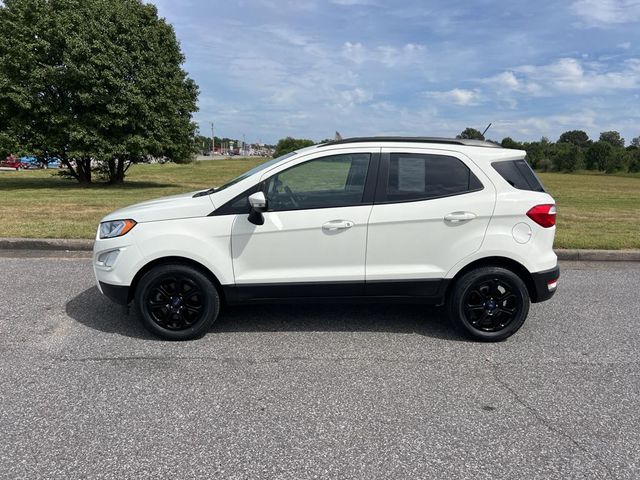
(431, 209)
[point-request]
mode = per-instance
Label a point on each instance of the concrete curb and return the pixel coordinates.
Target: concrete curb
(63, 244)
(599, 255)
(87, 245)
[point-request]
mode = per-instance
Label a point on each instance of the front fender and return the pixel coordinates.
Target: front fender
(205, 240)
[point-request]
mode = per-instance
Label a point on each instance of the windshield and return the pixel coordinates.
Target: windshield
(259, 168)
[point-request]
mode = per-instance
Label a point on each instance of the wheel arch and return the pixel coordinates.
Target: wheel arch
(175, 259)
(497, 261)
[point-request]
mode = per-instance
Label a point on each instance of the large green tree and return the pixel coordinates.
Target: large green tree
(290, 144)
(567, 158)
(597, 155)
(471, 133)
(509, 142)
(579, 138)
(613, 138)
(94, 82)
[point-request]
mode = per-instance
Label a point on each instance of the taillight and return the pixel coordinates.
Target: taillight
(543, 215)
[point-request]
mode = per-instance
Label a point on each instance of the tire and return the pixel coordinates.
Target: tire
(488, 304)
(177, 302)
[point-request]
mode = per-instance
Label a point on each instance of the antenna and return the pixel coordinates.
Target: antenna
(485, 130)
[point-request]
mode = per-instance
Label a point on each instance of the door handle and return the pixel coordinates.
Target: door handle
(459, 217)
(336, 225)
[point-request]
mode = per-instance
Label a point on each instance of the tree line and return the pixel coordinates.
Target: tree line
(574, 150)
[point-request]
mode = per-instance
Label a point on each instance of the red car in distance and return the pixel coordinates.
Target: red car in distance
(11, 162)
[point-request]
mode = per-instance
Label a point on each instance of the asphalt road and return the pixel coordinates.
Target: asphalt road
(296, 392)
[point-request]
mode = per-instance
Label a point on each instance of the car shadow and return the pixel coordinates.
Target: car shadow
(95, 311)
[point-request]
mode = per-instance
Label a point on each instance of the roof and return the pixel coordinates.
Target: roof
(441, 140)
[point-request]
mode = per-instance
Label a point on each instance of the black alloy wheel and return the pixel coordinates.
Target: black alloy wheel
(489, 303)
(177, 302)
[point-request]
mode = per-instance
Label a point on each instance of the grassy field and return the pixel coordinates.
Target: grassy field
(594, 211)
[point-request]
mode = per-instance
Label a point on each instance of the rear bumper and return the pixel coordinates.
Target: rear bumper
(116, 293)
(545, 284)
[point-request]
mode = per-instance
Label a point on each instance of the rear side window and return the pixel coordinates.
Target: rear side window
(519, 175)
(420, 177)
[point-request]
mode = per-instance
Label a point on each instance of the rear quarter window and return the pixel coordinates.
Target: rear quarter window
(518, 174)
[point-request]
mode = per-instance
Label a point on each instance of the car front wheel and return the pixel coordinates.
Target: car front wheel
(177, 302)
(489, 304)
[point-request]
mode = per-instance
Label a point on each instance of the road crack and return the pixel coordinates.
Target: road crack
(544, 422)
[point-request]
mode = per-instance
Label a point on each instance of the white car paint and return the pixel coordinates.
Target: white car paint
(399, 241)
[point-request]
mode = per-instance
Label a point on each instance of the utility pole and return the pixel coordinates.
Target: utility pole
(244, 147)
(213, 140)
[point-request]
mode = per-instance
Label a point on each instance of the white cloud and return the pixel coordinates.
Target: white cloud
(568, 76)
(388, 55)
(602, 13)
(505, 79)
(624, 45)
(459, 96)
(547, 125)
(353, 97)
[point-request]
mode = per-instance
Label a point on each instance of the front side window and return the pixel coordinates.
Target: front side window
(421, 177)
(333, 181)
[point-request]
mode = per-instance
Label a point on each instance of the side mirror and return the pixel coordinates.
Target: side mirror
(258, 204)
(258, 201)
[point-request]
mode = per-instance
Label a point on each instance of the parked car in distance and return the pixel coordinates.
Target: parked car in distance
(460, 223)
(12, 164)
(52, 162)
(30, 162)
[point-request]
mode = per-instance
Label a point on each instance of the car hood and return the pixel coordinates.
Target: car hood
(166, 208)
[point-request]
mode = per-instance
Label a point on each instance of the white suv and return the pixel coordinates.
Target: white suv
(443, 221)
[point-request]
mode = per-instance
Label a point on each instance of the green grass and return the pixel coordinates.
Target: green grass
(594, 210)
(35, 203)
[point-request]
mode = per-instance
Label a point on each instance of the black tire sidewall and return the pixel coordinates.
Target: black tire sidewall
(462, 286)
(208, 288)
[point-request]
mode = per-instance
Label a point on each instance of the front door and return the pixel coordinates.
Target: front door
(313, 239)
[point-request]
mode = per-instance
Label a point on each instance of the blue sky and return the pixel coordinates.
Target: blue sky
(306, 68)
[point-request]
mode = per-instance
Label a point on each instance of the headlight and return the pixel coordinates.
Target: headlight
(116, 228)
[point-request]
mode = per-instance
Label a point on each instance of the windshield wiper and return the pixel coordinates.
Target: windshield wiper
(204, 193)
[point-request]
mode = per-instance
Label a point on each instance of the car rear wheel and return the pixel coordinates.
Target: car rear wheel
(177, 302)
(489, 304)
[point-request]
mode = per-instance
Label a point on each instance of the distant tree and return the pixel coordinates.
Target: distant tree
(290, 144)
(534, 153)
(567, 158)
(634, 160)
(509, 142)
(613, 138)
(597, 154)
(470, 134)
(94, 81)
(617, 160)
(578, 138)
(635, 142)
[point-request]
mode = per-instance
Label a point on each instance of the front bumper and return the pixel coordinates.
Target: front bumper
(545, 284)
(116, 293)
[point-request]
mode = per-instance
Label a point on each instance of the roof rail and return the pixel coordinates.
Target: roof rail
(450, 141)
